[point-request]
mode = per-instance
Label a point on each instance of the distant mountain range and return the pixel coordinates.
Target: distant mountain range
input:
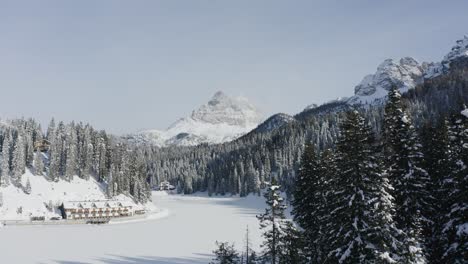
(225, 118)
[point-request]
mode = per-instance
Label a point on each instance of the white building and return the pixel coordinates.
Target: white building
(97, 209)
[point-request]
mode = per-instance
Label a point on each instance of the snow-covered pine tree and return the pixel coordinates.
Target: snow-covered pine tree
(272, 223)
(328, 171)
(6, 154)
(38, 163)
(61, 148)
(437, 149)
(361, 226)
(71, 153)
(29, 147)
(249, 256)
(308, 199)
(413, 202)
(54, 156)
(291, 247)
(19, 160)
(225, 253)
(27, 188)
(455, 222)
(51, 130)
(88, 155)
(188, 187)
(253, 179)
(111, 183)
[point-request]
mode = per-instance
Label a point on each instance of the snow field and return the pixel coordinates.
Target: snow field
(187, 234)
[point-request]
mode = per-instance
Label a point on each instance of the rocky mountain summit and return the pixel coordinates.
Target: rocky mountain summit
(404, 74)
(223, 118)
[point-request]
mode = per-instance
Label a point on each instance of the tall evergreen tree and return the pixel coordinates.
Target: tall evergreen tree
(54, 154)
(27, 188)
(51, 130)
(225, 254)
(406, 173)
(291, 248)
(362, 228)
(273, 223)
(6, 154)
(71, 153)
(19, 160)
(38, 163)
(308, 199)
(250, 255)
(455, 222)
(437, 149)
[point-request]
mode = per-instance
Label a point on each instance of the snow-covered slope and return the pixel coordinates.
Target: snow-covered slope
(405, 75)
(275, 122)
(186, 236)
(222, 119)
(46, 196)
(17, 205)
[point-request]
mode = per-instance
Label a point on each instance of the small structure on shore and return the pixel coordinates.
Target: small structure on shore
(103, 209)
(166, 186)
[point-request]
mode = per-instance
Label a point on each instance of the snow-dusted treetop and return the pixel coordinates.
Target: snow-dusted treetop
(465, 113)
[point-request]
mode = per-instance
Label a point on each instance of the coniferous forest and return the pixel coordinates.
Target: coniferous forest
(397, 198)
(72, 150)
(379, 183)
(386, 191)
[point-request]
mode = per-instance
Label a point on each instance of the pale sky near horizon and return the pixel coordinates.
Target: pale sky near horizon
(125, 66)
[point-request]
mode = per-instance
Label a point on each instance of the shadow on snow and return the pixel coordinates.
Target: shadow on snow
(112, 259)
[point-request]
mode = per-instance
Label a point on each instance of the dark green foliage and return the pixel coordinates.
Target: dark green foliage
(413, 201)
(361, 226)
(272, 222)
(225, 254)
(292, 244)
(455, 221)
(436, 149)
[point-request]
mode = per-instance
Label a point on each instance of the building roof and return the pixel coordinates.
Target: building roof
(96, 204)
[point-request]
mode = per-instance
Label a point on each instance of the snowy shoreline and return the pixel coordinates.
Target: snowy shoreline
(154, 215)
(183, 231)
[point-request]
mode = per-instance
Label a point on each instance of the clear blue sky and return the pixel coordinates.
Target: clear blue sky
(130, 65)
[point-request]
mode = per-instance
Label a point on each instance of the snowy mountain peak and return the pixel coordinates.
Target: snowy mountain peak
(223, 118)
(404, 74)
(218, 96)
(236, 111)
(459, 50)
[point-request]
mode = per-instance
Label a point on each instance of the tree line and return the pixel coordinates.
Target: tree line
(400, 197)
(244, 165)
(72, 150)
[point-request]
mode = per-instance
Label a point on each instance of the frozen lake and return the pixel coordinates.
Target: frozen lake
(186, 235)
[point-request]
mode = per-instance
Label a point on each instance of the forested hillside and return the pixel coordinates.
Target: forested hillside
(242, 166)
(71, 150)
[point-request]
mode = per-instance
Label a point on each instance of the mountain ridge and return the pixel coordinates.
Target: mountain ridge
(223, 118)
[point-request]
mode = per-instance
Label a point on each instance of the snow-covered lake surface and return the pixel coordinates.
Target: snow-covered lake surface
(186, 235)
